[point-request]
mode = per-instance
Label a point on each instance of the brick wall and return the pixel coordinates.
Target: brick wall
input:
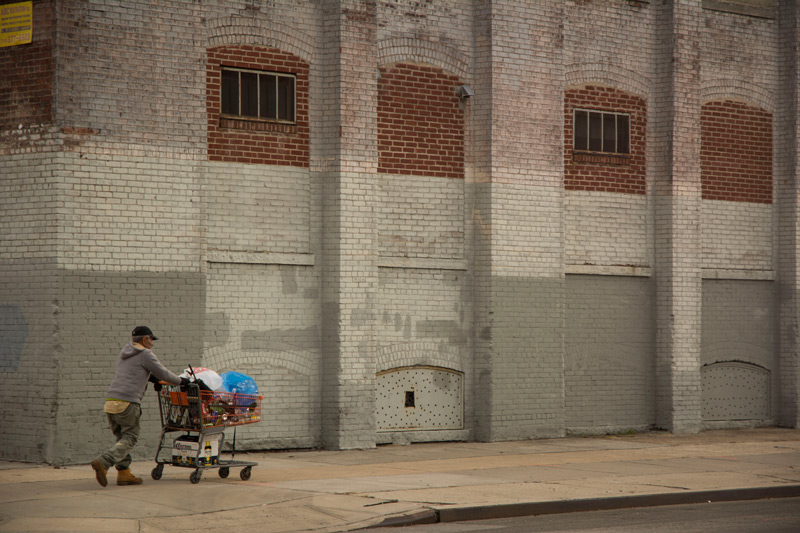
(277, 344)
(737, 235)
(420, 216)
(736, 152)
(677, 205)
(257, 209)
(609, 353)
(249, 141)
(518, 267)
(420, 122)
(739, 324)
(316, 276)
(605, 172)
(29, 231)
(26, 83)
(606, 229)
(28, 238)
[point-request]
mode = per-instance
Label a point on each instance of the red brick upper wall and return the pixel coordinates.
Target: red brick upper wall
(584, 171)
(256, 142)
(420, 122)
(26, 74)
(736, 152)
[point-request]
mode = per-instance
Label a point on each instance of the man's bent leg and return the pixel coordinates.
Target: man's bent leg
(125, 426)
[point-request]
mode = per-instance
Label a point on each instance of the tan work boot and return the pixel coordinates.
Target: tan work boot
(126, 477)
(100, 472)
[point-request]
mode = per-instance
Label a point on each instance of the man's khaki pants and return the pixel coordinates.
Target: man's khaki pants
(125, 427)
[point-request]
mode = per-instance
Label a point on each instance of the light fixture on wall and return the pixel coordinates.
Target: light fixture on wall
(465, 91)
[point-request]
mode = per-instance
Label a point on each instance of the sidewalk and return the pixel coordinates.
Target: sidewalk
(330, 491)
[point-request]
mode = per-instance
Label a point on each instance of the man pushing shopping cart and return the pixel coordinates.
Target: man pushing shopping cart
(136, 365)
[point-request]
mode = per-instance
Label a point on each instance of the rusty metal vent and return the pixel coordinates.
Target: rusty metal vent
(735, 391)
(419, 398)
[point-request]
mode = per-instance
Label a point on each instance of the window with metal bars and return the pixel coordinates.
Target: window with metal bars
(601, 131)
(256, 94)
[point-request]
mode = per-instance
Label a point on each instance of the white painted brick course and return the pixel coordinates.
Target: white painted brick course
(737, 235)
(420, 217)
(607, 229)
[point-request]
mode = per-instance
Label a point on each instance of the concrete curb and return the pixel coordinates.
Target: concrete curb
(415, 519)
(487, 512)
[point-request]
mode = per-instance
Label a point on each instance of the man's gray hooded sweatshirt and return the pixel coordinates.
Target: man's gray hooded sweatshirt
(134, 367)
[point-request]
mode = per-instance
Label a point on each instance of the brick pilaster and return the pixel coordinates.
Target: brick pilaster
(677, 187)
(517, 121)
(349, 251)
(787, 164)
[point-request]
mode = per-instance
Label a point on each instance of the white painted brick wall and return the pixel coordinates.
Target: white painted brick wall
(607, 229)
(739, 324)
(737, 235)
(420, 216)
(609, 353)
(263, 321)
(258, 208)
(122, 213)
(315, 328)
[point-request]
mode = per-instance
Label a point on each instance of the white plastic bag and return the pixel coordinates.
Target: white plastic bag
(212, 380)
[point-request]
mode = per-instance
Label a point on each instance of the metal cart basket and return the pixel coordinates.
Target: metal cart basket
(201, 416)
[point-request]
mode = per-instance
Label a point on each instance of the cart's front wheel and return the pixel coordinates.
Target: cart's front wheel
(224, 471)
(157, 471)
(194, 477)
(245, 473)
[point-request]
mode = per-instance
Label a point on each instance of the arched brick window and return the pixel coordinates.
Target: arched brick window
(604, 140)
(736, 152)
(420, 122)
(257, 106)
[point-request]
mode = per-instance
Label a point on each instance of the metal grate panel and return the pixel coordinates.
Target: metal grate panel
(735, 391)
(419, 398)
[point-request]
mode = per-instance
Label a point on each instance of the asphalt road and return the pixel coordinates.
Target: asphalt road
(759, 516)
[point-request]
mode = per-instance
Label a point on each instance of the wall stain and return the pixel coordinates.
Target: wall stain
(13, 334)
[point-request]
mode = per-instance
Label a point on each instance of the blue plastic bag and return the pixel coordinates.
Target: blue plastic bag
(239, 383)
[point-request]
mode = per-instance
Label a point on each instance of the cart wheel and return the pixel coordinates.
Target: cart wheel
(194, 477)
(224, 471)
(157, 471)
(245, 473)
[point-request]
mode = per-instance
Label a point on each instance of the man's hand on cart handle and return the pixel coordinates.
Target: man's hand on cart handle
(156, 384)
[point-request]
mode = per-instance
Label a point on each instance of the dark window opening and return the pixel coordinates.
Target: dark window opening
(410, 398)
(260, 95)
(597, 131)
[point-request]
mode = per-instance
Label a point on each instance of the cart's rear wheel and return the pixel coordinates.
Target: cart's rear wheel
(194, 477)
(224, 471)
(157, 471)
(245, 473)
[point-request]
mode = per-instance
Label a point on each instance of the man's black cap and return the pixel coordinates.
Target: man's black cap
(141, 331)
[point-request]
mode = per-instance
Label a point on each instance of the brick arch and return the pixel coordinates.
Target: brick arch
(418, 354)
(230, 357)
(414, 50)
(578, 74)
(226, 31)
(735, 89)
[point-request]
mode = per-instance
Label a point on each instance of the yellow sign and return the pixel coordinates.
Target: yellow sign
(16, 24)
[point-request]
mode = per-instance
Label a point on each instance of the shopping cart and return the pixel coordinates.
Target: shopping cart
(201, 416)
